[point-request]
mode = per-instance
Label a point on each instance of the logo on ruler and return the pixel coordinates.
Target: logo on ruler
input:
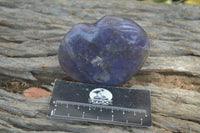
(100, 96)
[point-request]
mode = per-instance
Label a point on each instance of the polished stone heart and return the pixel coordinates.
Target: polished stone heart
(108, 52)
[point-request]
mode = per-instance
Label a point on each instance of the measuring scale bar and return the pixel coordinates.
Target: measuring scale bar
(67, 103)
(85, 112)
(100, 104)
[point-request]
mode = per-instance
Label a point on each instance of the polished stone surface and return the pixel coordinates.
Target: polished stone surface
(108, 52)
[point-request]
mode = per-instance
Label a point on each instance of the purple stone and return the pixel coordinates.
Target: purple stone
(108, 52)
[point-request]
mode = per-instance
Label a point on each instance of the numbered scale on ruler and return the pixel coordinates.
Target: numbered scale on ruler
(100, 104)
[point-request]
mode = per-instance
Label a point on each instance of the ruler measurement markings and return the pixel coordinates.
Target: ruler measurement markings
(69, 108)
(55, 103)
(97, 119)
(52, 112)
(100, 106)
(83, 115)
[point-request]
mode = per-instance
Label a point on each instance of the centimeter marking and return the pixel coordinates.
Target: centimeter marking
(99, 106)
(67, 103)
(97, 119)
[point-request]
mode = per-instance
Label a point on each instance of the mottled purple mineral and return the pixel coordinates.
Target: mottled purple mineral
(108, 52)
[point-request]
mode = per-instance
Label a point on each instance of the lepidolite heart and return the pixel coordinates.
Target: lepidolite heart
(108, 52)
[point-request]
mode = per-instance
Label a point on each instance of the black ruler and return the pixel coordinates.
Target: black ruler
(100, 104)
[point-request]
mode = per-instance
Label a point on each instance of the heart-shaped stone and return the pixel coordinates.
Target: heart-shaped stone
(108, 52)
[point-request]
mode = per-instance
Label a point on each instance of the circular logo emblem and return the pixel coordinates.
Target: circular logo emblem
(100, 96)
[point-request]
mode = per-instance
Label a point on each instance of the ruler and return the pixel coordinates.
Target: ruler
(100, 104)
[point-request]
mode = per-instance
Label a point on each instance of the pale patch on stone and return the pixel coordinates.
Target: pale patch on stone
(102, 77)
(97, 60)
